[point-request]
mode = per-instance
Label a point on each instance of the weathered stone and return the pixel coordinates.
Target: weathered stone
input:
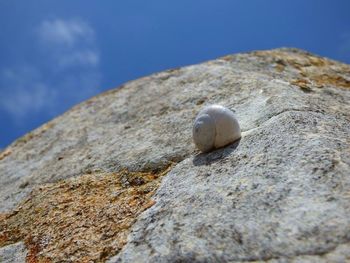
(14, 253)
(80, 219)
(280, 194)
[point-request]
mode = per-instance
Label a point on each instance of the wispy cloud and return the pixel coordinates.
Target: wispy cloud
(84, 57)
(69, 42)
(66, 72)
(65, 32)
(24, 91)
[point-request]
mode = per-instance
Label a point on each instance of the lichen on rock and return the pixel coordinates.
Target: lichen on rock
(78, 188)
(80, 219)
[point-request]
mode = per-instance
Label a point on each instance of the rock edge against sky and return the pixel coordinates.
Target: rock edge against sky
(117, 177)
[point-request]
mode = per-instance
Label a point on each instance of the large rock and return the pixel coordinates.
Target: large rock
(85, 185)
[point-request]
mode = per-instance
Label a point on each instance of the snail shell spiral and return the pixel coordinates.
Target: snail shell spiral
(215, 126)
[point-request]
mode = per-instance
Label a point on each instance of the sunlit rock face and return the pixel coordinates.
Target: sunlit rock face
(117, 178)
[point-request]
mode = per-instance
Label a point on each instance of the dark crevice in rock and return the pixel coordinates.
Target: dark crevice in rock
(281, 113)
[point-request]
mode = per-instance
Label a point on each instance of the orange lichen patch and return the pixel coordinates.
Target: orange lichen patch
(296, 60)
(312, 69)
(280, 67)
(319, 62)
(227, 58)
(80, 219)
(5, 153)
(320, 81)
(304, 84)
(335, 80)
(32, 254)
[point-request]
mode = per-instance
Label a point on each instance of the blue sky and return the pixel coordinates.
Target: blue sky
(55, 54)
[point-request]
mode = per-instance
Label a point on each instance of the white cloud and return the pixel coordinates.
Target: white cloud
(84, 57)
(24, 91)
(65, 32)
(70, 43)
(66, 72)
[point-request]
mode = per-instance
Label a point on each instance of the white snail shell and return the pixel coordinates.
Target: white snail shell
(215, 126)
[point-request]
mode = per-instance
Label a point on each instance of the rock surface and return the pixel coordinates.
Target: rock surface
(280, 194)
